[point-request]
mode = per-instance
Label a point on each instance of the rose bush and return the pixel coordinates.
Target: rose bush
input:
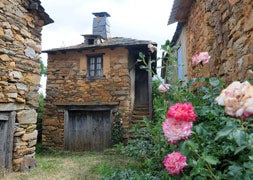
(214, 145)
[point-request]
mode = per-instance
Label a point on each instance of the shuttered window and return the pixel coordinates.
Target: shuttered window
(95, 66)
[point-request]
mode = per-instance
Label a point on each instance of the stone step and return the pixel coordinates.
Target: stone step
(141, 109)
(141, 113)
(139, 117)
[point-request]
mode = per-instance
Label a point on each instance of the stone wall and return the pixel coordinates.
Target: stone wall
(224, 28)
(67, 84)
(20, 46)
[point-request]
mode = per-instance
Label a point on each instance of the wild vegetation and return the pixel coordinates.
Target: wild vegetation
(70, 165)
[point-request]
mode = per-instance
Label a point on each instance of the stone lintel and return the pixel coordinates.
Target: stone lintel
(11, 106)
(87, 105)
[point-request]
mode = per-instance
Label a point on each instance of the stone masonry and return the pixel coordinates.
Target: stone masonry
(21, 23)
(67, 84)
(224, 28)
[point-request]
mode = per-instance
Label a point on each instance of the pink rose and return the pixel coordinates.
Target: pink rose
(176, 130)
(200, 57)
(182, 112)
(237, 99)
(174, 162)
(163, 88)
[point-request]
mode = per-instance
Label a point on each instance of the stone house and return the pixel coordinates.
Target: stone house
(224, 28)
(21, 22)
(87, 84)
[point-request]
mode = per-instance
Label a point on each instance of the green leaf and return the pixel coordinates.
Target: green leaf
(141, 55)
(207, 96)
(143, 67)
(239, 149)
(239, 137)
(235, 171)
(214, 81)
(251, 158)
(191, 82)
(184, 148)
(202, 79)
(224, 132)
(211, 160)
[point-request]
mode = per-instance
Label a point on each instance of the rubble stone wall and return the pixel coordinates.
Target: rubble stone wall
(224, 28)
(67, 83)
(20, 46)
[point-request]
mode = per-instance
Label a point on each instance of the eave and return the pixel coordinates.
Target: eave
(180, 11)
(35, 6)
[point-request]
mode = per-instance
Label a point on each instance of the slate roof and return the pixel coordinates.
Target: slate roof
(35, 5)
(110, 43)
(180, 11)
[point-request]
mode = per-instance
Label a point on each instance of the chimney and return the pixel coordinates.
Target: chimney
(101, 25)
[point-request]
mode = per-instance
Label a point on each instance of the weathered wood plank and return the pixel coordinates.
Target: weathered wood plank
(4, 117)
(88, 130)
(6, 140)
(3, 141)
(141, 86)
(3, 132)
(10, 136)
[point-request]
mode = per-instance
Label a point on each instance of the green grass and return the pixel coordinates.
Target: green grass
(71, 165)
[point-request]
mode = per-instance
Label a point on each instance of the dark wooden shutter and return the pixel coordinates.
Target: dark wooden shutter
(88, 130)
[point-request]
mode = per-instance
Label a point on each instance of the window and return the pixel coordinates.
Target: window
(95, 66)
(90, 41)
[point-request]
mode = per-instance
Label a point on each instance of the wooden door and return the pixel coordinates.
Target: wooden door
(141, 86)
(3, 138)
(6, 139)
(88, 130)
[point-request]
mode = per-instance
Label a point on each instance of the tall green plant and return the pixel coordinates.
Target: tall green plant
(43, 68)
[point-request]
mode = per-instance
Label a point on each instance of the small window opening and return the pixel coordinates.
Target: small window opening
(90, 41)
(95, 66)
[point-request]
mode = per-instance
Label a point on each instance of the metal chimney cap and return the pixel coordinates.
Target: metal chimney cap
(101, 14)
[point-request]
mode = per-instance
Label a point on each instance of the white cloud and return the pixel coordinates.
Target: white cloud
(139, 19)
